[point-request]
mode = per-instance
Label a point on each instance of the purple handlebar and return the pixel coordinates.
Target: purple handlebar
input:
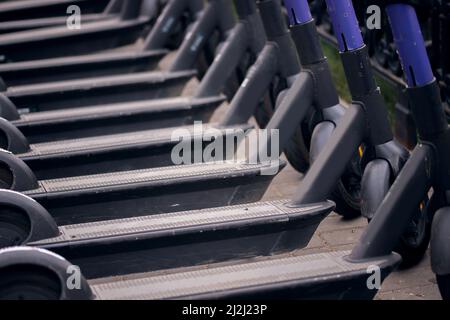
(345, 24)
(298, 11)
(410, 44)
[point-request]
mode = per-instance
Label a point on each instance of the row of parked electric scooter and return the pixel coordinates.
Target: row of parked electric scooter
(434, 18)
(88, 179)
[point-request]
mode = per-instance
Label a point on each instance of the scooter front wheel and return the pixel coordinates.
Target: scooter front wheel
(415, 240)
(29, 283)
(15, 227)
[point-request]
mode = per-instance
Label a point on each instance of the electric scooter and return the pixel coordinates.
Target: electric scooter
(427, 168)
(325, 113)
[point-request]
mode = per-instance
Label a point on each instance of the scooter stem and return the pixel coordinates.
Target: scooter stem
(411, 46)
(423, 90)
(298, 11)
(345, 24)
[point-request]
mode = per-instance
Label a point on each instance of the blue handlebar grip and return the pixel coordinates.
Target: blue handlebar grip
(410, 44)
(345, 24)
(298, 11)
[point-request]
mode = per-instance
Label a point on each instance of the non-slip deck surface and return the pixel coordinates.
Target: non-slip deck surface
(275, 210)
(95, 83)
(145, 176)
(176, 285)
(129, 108)
(115, 140)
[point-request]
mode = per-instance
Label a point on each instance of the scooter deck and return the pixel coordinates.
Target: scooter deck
(316, 276)
(121, 180)
(118, 152)
(168, 189)
(75, 67)
(99, 90)
(187, 238)
(115, 118)
(67, 147)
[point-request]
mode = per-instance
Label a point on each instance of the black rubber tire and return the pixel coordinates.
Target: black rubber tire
(296, 152)
(15, 227)
(413, 251)
(24, 282)
(6, 176)
(444, 286)
(347, 206)
(347, 194)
